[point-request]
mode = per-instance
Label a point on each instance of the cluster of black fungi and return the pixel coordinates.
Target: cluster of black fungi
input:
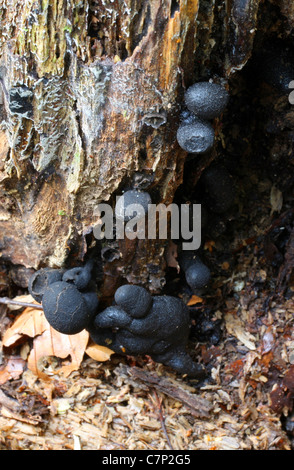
(138, 323)
(205, 101)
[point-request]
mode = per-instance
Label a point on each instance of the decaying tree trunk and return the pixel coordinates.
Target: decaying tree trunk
(91, 94)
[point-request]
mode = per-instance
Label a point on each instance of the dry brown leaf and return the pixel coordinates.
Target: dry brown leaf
(12, 370)
(99, 353)
(30, 322)
(47, 343)
(194, 300)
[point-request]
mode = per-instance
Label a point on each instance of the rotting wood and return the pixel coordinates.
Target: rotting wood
(94, 76)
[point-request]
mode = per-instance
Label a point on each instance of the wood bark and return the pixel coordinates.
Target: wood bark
(103, 82)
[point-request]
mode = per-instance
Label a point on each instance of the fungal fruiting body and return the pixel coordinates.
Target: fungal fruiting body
(41, 279)
(65, 308)
(135, 300)
(137, 323)
(196, 138)
(68, 302)
(197, 274)
(158, 326)
(206, 100)
(132, 203)
(79, 276)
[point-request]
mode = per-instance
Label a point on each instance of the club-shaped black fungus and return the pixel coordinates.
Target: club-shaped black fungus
(219, 188)
(123, 210)
(92, 301)
(186, 258)
(197, 275)
(207, 100)
(65, 308)
(80, 276)
(135, 300)
(41, 279)
(162, 333)
(196, 138)
(112, 317)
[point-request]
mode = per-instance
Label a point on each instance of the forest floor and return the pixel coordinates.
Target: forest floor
(56, 395)
(126, 403)
(123, 404)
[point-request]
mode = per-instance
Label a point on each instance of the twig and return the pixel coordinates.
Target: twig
(7, 301)
(158, 404)
(198, 406)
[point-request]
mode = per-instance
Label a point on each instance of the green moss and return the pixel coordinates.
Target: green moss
(62, 213)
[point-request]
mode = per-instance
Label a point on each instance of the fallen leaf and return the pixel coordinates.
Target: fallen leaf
(194, 300)
(30, 322)
(12, 370)
(51, 343)
(47, 342)
(99, 353)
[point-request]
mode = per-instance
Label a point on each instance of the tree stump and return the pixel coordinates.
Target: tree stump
(91, 96)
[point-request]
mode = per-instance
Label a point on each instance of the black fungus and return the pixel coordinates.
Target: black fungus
(112, 317)
(123, 209)
(79, 276)
(207, 100)
(41, 279)
(206, 328)
(197, 274)
(162, 333)
(65, 308)
(196, 138)
(135, 300)
(92, 301)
